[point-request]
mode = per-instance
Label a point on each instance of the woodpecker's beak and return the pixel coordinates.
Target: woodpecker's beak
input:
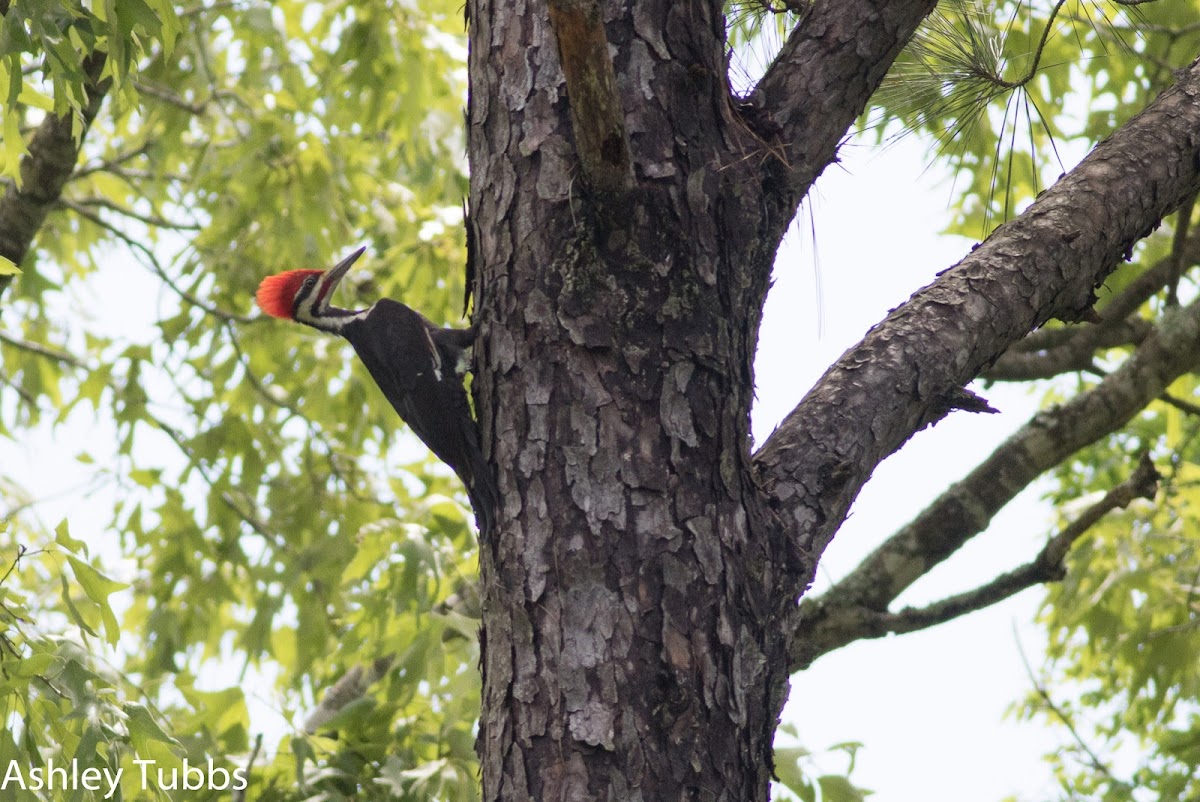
(332, 276)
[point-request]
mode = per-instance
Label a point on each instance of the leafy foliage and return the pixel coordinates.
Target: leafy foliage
(272, 523)
(1123, 625)
(798, 771)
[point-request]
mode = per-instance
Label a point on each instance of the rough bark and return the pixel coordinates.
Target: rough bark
(1049, 352)
(597, 117)
(636, 590)
(53, 153)
(818, 84)
(631, 594)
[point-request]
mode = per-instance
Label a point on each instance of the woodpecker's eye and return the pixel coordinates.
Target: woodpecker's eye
(308, 283)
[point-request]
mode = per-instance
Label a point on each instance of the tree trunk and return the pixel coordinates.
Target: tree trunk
(640, 590)
(631, 637)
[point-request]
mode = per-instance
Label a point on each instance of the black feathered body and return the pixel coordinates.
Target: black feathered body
(419, 367)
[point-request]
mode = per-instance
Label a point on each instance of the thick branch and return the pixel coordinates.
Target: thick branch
(1047, 566)
(52, 155)
(820, 82)
(1050, 352)
(1042, 265)
(597, 117)
(967, 507)
(1077, 354)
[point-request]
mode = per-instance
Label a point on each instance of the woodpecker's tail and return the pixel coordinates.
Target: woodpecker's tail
(481, 490)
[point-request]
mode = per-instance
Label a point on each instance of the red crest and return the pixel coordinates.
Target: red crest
(276, 294)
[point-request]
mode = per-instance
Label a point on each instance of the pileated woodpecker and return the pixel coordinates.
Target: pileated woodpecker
(419, 367)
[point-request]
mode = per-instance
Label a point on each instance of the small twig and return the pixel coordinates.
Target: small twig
(171, 98)
(1180, 404)
(1179, 259)
(44, 350)
(21, 551)
(203, 9)
(111, 164)
(154, 265)
(1061, 715)
(251, 520)
(253, 378)
(1037, 56)
(239, 794)
(149, 219)
(29, 399)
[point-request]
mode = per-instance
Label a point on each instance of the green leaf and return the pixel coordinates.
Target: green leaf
(836, 788)
(791, 775)
(8, 268)
(220, 711)
(143, 728)
(62, 536)
(72, 610)
(98, 588)
(31, 666)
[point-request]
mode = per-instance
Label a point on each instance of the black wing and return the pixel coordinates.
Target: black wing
(397, 346)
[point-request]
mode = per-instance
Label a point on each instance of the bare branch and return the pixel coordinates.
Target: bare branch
(110, 165)
(1050, 352)
(1145, 286)
(1077, 353)
(1179, 256)
(44, 350)
(1180, 404)
(239, 793)
(152, 261)
(205, 9)
(248, 516)
(148, 219)
(170, 98)
(1061, 715)
(29, 399)
(1047, 566)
